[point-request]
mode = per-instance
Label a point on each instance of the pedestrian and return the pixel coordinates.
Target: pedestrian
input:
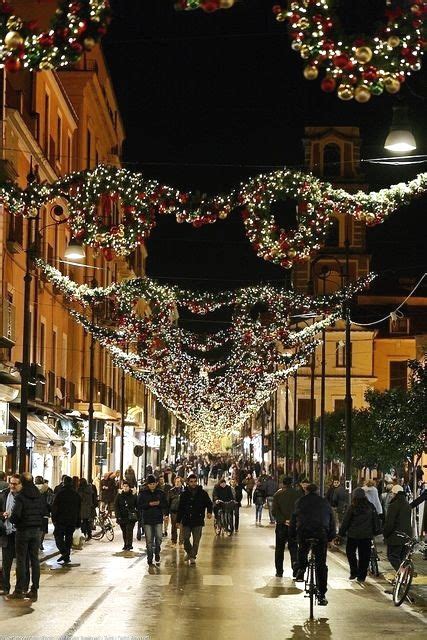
(66, 518)
(386, 496)
(130, 477)
(165, 487)
(152, 502)
(108, 492)
(337, 498)
(44, 492)
(27, 516)
(206, 474)
(258, 498)
(361, 523)
(173, 501)
(248, 485)
(371, 491)
(86, 507)
(126, 512)
(222, 493)
(7, 539)
(301, 487)
(4, 485)
(283, 506)
(237, 491)
(193, 504)
(398, 519)
(270, 488)
(313, 518)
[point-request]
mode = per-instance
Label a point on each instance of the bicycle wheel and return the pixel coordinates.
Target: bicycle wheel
(403, 582)
(99, 531)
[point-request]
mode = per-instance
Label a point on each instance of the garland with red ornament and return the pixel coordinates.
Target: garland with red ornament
(77, 26)
(208, 6)
(357, 65)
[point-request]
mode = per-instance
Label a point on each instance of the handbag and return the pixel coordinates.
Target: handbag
(133, 516)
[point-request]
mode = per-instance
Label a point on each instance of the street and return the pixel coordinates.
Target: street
(230, 593)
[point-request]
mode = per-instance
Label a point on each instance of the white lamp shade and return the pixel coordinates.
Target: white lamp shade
(74, 251)
(400, 141)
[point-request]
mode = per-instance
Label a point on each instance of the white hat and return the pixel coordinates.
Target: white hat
(396, 488)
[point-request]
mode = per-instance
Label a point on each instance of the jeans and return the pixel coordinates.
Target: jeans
(174, 529)
(282, 537)
(320, 550)
(63, 534)
(358, 566)
(258, 512)
(153, 533)
(27, 544)
(395, 554)
(192, 549)
(127, 531)
(8, 554)
(270, 508)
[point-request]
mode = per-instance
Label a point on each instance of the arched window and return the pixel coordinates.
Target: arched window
(333, 234)
(331, 160)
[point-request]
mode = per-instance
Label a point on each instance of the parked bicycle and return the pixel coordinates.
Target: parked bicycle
(224, 519)
(373, 561)
(103, 526)
(406, 571)
(311, 590)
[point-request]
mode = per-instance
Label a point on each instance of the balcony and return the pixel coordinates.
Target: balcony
(104, 400)
(7, 324)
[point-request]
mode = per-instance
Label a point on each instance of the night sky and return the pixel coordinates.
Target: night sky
(208, 100)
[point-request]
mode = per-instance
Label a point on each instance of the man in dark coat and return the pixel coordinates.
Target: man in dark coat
(398, 518)
(153, 504)
(7, 541)
(283, 507)
(193, 504)
(27, 516)
(313, 518)
(66, 518)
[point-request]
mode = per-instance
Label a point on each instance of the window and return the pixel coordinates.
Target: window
(339, 404)
(399, 325)
(42, 346)
(54, 346)
(304, 410)
(332, 160)
(340, 354)
(399, 374)
(64, 355)
(333, 234)
(59, 140)
(46, 118)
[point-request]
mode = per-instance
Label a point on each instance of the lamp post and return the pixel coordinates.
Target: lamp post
(122, 421)
(294, 434)
(145, 429)
(348, 398)
(91, 421)
(287, 427)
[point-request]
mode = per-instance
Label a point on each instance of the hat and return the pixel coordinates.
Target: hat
(396, 488)
(151, 479)
(287, 481)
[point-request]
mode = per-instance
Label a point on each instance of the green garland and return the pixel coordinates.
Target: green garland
(76, 27)
(357, 65)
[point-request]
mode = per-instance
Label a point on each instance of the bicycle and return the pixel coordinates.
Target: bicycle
(103, 526)
(310, 586)
(406, 571)
(224, 519)
(373, 561)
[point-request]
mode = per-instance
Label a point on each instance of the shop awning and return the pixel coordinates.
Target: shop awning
(41, 431)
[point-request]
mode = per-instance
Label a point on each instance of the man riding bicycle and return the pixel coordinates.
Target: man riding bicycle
(313, 518)
(222, 492)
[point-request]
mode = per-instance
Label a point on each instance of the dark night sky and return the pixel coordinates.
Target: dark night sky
(197, 91)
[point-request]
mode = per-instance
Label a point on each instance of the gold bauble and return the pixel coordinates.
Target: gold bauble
(222, 215)
(296, 45)
(89, 43)
(303, 23)
(345, 92)
(291, 253)
(305, 52)
(14, 23)
(392, 85)
(362, 93)
(13, 39)
(226, 4)
(310, 72)
(393, 41)
(363, 54)
(281, 17)
(369, 217)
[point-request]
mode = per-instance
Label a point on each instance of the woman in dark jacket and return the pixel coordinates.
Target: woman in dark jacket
(85, 492)
(360, 524)
(258, 498)
(126, 514)
(174, 497)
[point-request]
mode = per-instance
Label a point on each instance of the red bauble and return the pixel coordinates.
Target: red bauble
(210, 5)
(12, 65)
(76, 47)
(328, 85)
(45, 40)
(370, 74)
(197, 223)
(341, 60)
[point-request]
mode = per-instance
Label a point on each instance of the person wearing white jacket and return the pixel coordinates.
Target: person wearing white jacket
(372, 495)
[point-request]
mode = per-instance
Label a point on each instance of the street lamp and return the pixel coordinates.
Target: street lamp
(74, 251)
(400, 138)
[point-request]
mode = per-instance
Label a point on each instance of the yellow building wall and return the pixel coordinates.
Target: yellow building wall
(387, 350)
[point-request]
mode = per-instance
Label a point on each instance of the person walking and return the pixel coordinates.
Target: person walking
(66, 518)
(398, 518)
(45, 492)
(361, 523)
(282, 508)
(313, 518)
(193, 504)
(258, 498)
(237, 491)
(370, 488)
(126, 512)
(27, 516)
(152, 502)
(337, 498)
(7, 540)
(165, 487)
(173, 500)
(248, 485)
(130, 477)
(222, 493)
(108, 492)
(270, 488)
(86, 507)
